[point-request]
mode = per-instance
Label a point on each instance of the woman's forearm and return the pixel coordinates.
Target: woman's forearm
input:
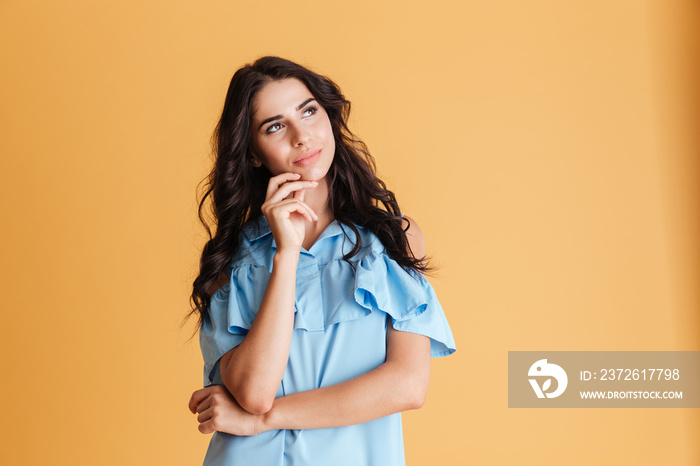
(252, 371)
(398, 385)
(362, 399)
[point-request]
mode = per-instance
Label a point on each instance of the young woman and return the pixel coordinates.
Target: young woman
(316, 322)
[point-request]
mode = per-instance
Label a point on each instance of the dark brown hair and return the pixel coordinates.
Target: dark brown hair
(237, 188)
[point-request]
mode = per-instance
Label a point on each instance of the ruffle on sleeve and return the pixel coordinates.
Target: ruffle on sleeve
(231, 313)
(381, 284)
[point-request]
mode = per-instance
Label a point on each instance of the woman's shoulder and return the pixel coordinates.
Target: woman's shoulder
(415, 237)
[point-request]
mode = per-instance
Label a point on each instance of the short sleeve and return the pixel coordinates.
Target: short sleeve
(381, 284)
(231, 312)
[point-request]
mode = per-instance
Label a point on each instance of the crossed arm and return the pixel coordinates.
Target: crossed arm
(253, 370)
(399, 384)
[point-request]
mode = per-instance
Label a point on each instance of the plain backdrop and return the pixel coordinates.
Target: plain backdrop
(548, 149)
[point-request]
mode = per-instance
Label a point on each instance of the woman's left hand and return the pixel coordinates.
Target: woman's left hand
(219, 411)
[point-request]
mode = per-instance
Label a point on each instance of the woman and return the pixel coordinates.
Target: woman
(317, 325)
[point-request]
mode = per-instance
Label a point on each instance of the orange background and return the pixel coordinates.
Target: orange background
(548, 149)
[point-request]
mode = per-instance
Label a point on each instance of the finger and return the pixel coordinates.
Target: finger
(205, 415)
(207, 427)
(290, 187)
(202, 394)
(277, 181)
(286, 207)
(204, 405)
(299, 194)
(197, 398)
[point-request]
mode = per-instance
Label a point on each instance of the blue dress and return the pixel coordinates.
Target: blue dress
(340, 326)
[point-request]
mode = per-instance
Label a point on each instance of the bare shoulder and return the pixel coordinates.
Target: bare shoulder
(415, 237)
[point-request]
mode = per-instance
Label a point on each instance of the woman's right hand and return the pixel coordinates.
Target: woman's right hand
(219, 411)
(287, 216)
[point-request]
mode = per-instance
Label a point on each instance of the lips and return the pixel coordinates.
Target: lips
(307, 158)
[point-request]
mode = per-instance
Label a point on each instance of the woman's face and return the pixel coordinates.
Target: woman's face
(291, 131)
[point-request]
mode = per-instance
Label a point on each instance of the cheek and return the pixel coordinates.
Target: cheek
(331, 140)
(268, 150)
(328, 131)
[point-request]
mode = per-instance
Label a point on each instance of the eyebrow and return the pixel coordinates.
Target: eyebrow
(277, 117)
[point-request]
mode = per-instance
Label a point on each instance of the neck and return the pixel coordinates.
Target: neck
(317, 199)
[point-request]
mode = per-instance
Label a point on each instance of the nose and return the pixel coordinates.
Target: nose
(301, 135)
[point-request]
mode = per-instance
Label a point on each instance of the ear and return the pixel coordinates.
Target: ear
(254, 160)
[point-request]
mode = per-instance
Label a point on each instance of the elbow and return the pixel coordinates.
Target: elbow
(251, 398)
(249, 395)
(416, 397)
(254, 403)
(415, 391)
(410, 384)
(419, 401)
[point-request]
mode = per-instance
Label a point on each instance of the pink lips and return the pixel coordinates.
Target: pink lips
(308, 158)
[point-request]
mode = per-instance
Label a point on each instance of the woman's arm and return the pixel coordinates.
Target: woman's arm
(399, 384)
(253, 370)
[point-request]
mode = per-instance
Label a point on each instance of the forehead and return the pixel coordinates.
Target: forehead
(279, 98)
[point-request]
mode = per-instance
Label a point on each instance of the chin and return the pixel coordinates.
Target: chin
(312, 177)
(314, 174)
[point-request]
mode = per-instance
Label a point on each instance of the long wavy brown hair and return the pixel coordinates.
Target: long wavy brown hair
(237, 188)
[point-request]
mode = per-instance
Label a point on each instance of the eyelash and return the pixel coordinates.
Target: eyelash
(312, 107)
